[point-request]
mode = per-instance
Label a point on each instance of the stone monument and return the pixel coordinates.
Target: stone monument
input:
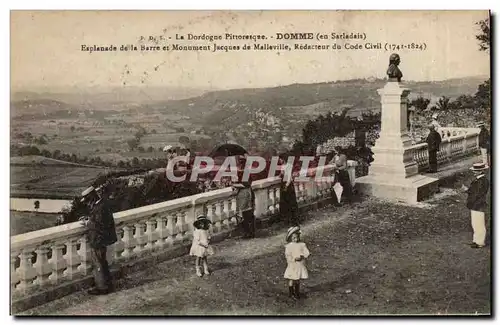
(394, 173)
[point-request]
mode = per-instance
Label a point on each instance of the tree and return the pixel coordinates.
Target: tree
(184, 140)
(46, 153)
(141, 149)
(72, 128)
(150, 149)
(153, 131)
(420, 103)
(443, 103)
(484, 35)
(482, 96)
(133, 144)
(135, 162)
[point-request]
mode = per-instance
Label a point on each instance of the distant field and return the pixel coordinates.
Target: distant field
(22, 222)
(51, 181)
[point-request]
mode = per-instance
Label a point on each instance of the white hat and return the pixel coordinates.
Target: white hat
(167, 148)
(87, 192)
(478, 167)
(291, 231)
(435, 115)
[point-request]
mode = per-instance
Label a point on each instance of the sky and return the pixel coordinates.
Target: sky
(46, 48)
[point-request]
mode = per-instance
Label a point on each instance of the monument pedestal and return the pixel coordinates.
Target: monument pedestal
(394, 173)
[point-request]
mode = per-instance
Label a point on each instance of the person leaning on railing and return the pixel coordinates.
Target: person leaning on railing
(101, 233)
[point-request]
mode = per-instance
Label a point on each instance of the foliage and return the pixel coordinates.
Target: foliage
(420, 103)
(484, 35)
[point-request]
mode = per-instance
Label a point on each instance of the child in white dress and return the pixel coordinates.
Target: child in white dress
(296, 253)
(201, 244)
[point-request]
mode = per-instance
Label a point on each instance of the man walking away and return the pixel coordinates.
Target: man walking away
(484, 143)
(101, 233)
(476, 203)
(433, 143)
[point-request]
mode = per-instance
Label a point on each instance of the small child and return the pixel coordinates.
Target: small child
(295, 252)
(201, 244)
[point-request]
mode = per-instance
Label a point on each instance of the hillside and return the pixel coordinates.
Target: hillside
(234, 106)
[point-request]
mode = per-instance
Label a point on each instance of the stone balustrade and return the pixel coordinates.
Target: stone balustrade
(46, 259)
(452, 148)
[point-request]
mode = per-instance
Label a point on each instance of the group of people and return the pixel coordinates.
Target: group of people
(434, 142)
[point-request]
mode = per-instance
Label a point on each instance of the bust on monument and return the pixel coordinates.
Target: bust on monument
(393, 71)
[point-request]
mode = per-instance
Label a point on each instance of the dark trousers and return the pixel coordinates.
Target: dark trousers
(249, 223)
(102, 275)
(433, 163)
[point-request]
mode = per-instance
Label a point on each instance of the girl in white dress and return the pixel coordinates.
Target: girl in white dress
(201, 244)
(296, 253)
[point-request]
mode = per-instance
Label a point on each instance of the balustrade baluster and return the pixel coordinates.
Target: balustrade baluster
(226, 222)
(118, 247)
(14, 277)
(272, 200)
(140, 238)
(85, 266)
(128, 241)
(57, 262)
(72, 258)
(217, 226)
(42, 266)
(180, 226)
(26, 271)
(232, 211)
(161, 229)
(171, 231)
(150, 234)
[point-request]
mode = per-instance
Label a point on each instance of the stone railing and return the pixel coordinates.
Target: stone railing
(456, 131)
(44, 260)
(451, 149)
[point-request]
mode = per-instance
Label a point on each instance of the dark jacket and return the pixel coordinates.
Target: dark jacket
(101, 226)
(433, 141)
(484, 139)
(477, 191)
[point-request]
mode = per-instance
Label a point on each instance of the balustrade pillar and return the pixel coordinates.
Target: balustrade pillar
(42, 266)
(14, 277)
(128, 241)
(72, 258)
(26, 271)
(58, 262)
(85, 266)
(150, 234)
(161, 229)
(140, 238)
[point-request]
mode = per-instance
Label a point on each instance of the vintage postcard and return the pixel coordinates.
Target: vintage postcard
(250, 163)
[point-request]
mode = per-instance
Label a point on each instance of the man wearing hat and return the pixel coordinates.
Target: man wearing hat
(435, 122)
(484, 143)
(476, 202)
(433, 142)
(100, 233)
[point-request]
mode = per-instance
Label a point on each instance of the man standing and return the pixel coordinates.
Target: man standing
(476, 203)
(246, 202)
(101, 233)
(433, 143)
(484, 143)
